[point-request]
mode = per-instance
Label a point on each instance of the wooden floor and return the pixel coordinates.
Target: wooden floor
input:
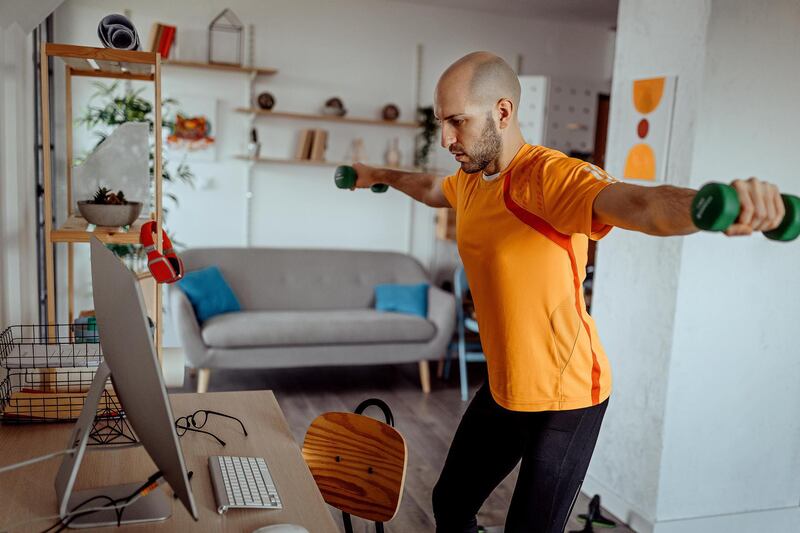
(427, 422)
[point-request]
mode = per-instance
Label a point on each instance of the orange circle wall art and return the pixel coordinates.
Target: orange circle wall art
(640, 162)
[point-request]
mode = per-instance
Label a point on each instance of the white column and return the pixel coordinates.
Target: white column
(703, 429)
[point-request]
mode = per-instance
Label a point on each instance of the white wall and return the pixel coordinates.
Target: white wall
(361, 50)
(735, 368)
(703, 430)
(18, 279)
(636, 276)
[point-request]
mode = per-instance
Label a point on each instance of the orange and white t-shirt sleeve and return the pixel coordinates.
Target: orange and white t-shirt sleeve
(569, 187)
(449, 188)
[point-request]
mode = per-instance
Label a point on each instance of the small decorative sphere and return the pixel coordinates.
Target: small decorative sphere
(390, 112)
(266, 101)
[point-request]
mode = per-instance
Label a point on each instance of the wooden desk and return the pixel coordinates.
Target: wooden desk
(29, 492)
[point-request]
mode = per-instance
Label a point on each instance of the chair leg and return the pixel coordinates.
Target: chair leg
(348, 523)
(462, 368)
(448, 356)
(203, 377)
(425, 376)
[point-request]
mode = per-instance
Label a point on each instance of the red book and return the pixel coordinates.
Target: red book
(165, 43)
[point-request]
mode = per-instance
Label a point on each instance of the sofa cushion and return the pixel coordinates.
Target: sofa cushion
(293, 328)
(410, 299)
(209, 293)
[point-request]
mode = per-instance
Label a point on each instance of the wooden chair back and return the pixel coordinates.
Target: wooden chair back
(358, 463)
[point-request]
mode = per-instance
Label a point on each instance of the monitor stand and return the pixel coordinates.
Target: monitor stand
(155, 506)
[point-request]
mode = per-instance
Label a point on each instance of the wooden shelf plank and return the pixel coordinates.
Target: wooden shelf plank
(311, 163)
(105, 62)
(114, 75)
(328, 118)
(77, 229)
(143, 275)
(259, 71)
(103, 54)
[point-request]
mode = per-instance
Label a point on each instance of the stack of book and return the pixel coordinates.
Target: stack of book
(161, 38)
(312, 145)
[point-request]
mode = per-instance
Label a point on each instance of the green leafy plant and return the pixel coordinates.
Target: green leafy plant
(427, 121)
(109, 107)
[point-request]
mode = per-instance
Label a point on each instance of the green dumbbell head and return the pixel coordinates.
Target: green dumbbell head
(789, 228)
(716, 206)
(345, 178)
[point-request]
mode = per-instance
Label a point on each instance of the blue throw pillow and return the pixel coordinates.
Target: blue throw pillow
(411, 299)
(209, 293)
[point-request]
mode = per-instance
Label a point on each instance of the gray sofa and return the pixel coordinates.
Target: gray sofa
(310, 308)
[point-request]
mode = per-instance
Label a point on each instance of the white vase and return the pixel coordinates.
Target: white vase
(392, 155)
(357, 154)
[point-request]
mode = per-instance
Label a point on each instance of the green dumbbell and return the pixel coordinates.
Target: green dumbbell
(345, 178)
(716, 207)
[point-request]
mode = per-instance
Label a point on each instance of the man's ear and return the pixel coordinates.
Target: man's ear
(505, 110)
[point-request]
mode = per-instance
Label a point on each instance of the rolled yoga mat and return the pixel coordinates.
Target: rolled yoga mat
(116, 31)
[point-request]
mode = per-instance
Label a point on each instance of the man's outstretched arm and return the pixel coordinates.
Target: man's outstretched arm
(425, 188)
(666, 210)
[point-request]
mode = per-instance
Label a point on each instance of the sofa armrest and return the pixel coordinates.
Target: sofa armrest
(189, 330)
(442, 312)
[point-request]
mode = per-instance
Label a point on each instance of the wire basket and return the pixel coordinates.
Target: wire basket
(49, 371)
(56, 346)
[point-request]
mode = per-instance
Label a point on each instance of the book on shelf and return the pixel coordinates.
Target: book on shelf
(318, 145)
(304, 141)
(162, 36)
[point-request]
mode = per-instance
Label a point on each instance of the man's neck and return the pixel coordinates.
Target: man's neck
(507, 154)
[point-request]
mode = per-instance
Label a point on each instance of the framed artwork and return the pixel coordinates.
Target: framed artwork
(194, 132)
(643, 128)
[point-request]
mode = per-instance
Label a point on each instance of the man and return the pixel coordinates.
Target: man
(524, 215)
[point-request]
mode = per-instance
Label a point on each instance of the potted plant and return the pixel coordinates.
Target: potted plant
(108, 109)
(109, 208)
(424, 140)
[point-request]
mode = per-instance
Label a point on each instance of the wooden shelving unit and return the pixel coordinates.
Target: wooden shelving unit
(98, 63)
(77, 229)
(311, 162)
(327, 118)
(257, 71)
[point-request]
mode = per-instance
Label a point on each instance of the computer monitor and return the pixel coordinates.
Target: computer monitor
(130, 359)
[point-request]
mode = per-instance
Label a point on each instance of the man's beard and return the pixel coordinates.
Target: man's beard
(486, 149)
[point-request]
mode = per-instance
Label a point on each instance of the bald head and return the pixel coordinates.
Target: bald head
(485, 78)
(476, 103)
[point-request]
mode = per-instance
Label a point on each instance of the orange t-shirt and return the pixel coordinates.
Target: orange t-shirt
(523, 238)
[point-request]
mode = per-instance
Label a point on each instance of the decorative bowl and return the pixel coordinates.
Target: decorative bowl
(110, 215)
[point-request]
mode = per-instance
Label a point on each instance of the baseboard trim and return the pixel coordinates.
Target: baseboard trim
(783, 519)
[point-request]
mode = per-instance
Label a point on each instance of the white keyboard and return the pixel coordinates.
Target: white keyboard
(242, 482)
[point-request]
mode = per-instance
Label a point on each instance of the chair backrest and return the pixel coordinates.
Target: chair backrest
(460, 286)
(358, 463)
(460, 282)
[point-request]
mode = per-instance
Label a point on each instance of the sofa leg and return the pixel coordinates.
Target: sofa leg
(203, 376)
(425, 376)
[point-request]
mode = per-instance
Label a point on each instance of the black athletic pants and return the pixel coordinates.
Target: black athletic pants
(555, 448)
